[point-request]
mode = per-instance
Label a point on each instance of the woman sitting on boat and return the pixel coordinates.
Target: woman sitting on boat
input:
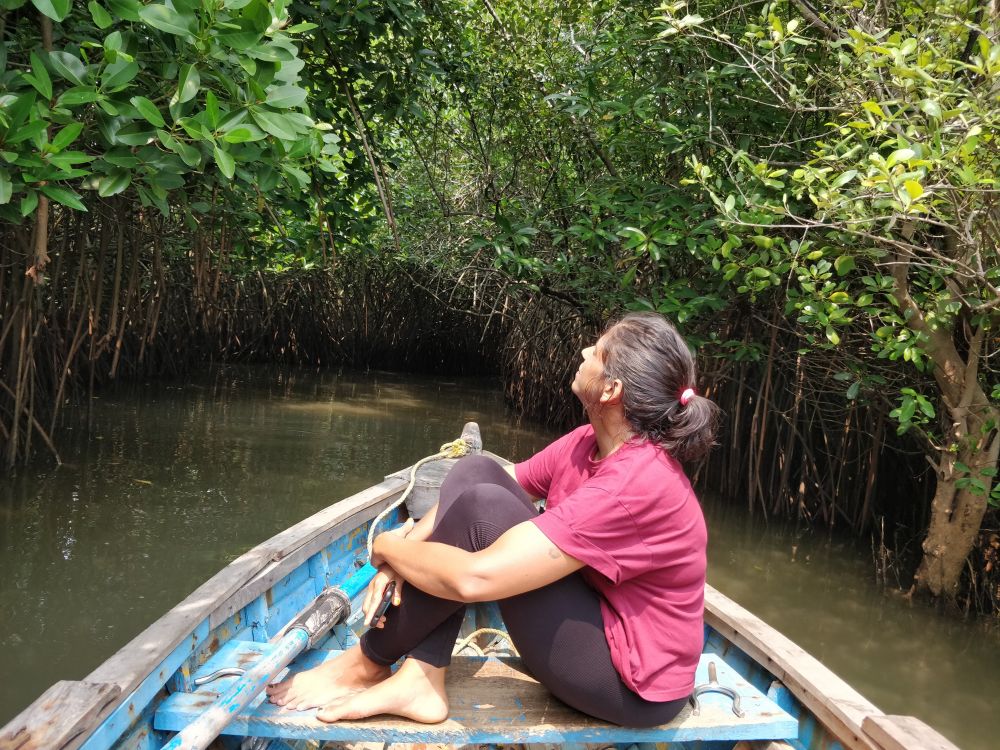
(602, 593)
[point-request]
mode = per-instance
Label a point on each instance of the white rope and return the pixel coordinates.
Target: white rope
(467, 642)
(454, 449)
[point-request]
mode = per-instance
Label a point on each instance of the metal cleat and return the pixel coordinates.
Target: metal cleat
(713, 686)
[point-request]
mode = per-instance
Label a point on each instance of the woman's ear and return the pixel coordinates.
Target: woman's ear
(612, 393)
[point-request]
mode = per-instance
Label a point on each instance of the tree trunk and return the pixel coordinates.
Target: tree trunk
(956, 515)
(971, 444)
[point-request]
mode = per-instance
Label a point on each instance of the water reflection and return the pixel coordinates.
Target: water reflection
(900, 655)
(166, 483)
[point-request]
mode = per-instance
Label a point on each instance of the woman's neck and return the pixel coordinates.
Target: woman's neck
(611, 430)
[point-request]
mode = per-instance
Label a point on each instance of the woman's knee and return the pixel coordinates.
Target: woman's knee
(482, 507)
(492, 502)
(472, 470)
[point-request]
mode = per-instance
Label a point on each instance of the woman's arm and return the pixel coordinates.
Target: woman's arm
(522, 559)
(509, 468)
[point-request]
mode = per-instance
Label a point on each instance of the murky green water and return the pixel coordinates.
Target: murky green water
(167, 483)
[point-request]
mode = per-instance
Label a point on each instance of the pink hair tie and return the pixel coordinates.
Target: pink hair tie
(686, 395)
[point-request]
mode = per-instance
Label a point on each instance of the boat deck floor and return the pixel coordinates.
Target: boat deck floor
(492, 700)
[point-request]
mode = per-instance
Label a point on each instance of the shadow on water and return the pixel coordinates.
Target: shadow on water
(166, 483)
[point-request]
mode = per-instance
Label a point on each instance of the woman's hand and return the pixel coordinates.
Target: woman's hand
(402, 532)
(376, 589)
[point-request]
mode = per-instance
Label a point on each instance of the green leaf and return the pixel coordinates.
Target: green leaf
(64, 195)
(126, 10)
(852, 392)
(901, 154)
(29, 203)
(134, 134)
(244, 133)
(840, 297)
(113, 43)
(25, 132)
(114, 183)
(117, 75)
(187, 85)
(69, 66)
(66, 136)
(285, 97)
(212, 109)
(226, 163)
(270, 53)
(190, 155)
(101, 17)
(844, 264)
(914, 189)
(874, 109)
(148, 110)
(832, 335)
(167, 19)
(6, 188)
(243, 36)
(844, 178)
(39, 77)
(931, 107)
(276, 124)
(57, 10)
(78, 95)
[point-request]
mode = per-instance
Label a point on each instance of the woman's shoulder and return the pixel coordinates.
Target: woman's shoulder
(576, 441)
(647, 468)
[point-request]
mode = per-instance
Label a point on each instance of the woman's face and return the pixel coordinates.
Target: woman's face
(590, 380)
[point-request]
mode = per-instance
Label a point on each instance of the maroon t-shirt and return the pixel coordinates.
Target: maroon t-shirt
(636, 523)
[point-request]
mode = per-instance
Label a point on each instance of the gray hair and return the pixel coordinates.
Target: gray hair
(655, 365)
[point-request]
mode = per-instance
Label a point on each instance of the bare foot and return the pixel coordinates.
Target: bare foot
(416, 691)
(348, 673)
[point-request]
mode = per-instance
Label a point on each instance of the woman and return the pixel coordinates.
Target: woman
(602, 593)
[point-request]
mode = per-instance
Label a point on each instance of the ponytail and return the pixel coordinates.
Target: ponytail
(657, 370)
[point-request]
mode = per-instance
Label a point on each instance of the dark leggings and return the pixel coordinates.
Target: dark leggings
(558, 629)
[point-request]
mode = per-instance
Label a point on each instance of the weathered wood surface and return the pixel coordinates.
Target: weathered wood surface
(838, 706)
(491, 701)
(59, 717)
(904, 733)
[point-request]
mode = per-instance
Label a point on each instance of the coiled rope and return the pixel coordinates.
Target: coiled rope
(454, 449)
(469, 641)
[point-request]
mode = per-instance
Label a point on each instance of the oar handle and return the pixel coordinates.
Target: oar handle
(325, 611)
(201, 732)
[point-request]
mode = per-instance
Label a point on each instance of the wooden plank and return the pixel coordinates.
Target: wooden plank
(130, 708)
(904, 733)
(491, 701)
(838, 706)
(59, 717)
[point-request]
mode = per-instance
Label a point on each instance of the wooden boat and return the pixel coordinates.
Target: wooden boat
(147, 692)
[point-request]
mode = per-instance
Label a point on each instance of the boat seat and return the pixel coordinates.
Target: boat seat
(492, 700)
